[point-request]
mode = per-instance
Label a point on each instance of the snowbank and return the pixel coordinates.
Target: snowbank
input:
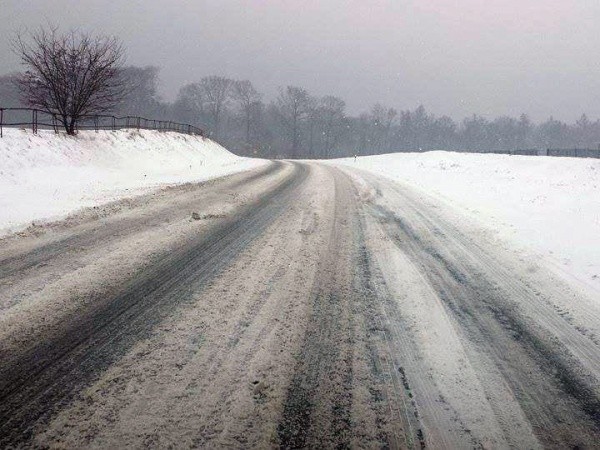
(48, 176)
(550, 205)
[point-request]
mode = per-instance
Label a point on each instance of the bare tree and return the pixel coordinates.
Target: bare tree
(292, 106)
(333, 120)
(216, 92)
(382, 121)
(141, 96)
(325, 125)
(313, 122)
(189, 105)
(70, 75)
(248, 99)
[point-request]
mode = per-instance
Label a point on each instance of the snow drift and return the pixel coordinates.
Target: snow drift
(545, 204)
(47, 176)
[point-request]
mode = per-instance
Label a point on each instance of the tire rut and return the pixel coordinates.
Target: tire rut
(348, 327)
(487, 317)
(326, 352)
(24, 262)
(37, 383)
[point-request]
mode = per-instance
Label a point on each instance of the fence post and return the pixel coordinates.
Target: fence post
(96, 123)
(114, 123)
(1, 122)
(138, 123)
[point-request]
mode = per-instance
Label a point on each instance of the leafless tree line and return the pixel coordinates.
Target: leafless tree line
(74, 74)
(297, 124)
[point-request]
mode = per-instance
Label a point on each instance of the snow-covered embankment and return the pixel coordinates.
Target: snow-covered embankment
(548, 205)
(47, 176)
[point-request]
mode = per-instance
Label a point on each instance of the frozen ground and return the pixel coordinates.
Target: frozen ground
(549, 205)
(46, 176)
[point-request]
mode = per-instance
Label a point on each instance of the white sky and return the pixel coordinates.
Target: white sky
(456, 57)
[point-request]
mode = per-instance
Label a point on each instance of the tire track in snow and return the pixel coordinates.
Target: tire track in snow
(37, 383)
(555, 388)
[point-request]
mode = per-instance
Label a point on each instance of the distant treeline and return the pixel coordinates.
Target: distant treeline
(299, 125)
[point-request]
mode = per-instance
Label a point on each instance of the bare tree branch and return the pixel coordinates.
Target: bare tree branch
(70, 75)
(216, 91)
(247, 98)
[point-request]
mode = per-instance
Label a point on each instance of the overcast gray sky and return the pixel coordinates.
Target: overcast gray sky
(456, 57)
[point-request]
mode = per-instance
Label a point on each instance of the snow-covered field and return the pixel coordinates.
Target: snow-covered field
(548, 205)
(48, 176)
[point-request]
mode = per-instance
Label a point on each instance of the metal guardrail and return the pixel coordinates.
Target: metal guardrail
(37, 119)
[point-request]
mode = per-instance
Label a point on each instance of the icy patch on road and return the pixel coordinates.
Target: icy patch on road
(47, 176)
(550, 205)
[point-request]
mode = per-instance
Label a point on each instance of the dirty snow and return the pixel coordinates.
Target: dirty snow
(548, 205)
(48, 176)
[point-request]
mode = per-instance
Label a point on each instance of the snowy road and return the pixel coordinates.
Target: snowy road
(308, 306)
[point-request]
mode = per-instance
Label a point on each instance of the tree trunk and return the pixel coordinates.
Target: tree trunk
(65, 122)
(295, 138)
(248, 126)
(72, 126)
